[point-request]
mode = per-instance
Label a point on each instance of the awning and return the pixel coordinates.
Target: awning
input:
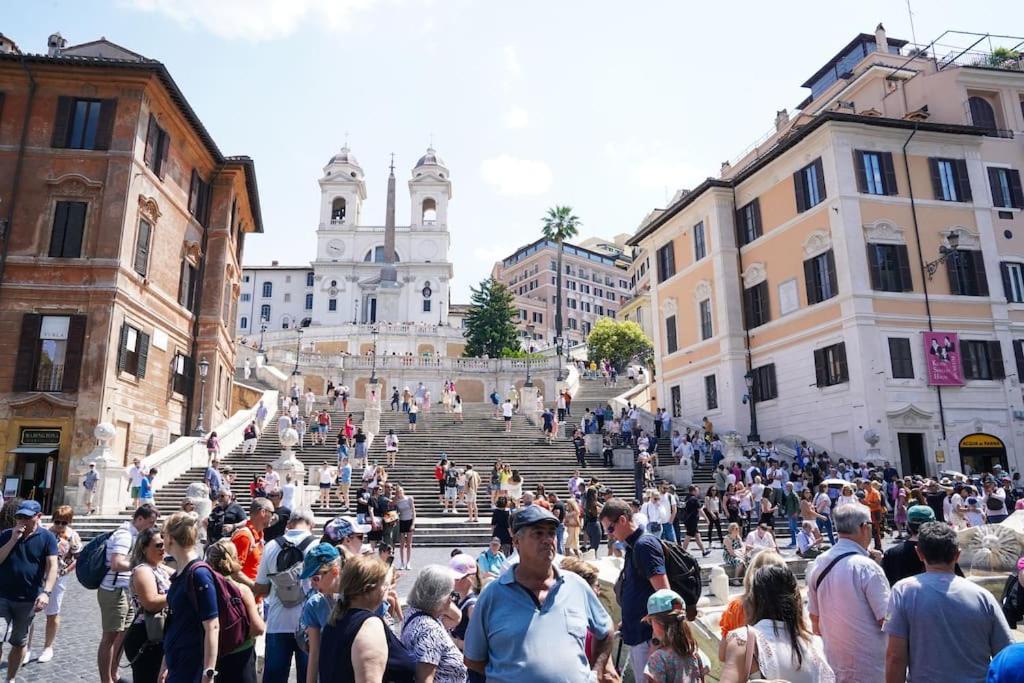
(34, 450)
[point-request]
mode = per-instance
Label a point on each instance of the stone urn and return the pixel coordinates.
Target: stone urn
(734, 450)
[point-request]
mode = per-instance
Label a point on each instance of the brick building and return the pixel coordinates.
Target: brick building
(123, 227)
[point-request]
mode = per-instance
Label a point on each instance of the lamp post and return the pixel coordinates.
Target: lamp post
(298, 349)
(529, 350)
(263, 328)
(440, 311)
(946, 253)
(753, 436)
(204, 367)
(558, 352)
(374, 331)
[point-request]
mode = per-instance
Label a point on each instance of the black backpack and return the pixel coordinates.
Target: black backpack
(682, 571)
(1013, 600)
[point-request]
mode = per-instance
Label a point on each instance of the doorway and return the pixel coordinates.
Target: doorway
(981, 453)
(912, 460)
(34, 475)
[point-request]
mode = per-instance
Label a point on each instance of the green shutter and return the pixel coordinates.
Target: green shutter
(963, 181)
(60, 221)
(800, 187)
(105, 129)
(143, 352)
(860, 171)
(933, 169)
(903, 262)
(62, 121)
(122, 349)
(28, 352)
(889, 172)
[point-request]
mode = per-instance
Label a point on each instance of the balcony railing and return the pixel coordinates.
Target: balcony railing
(49, 378)
(382, 362)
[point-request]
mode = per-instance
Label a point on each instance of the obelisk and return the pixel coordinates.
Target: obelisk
(389, 289)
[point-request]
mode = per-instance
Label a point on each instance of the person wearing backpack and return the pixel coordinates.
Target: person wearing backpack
(238, 665)
(278, 578)
(112, 591)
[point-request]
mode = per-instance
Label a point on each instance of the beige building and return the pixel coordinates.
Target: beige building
(815, 266)
(594, 283)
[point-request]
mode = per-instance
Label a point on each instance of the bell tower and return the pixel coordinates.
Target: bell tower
(342, 191)
(430, 188)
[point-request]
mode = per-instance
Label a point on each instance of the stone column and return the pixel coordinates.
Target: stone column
(287, 464)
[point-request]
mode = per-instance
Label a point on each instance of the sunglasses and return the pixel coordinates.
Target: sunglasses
(60, 522)
(159, 546)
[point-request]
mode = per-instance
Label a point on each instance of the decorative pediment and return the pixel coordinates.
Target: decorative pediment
(74, 185)
(910, 416)
(669, 306)
(966, 238)
(755, 274)
(883, 232)
(40, 404)
(818, 242)
(149, 209)
(702, 291)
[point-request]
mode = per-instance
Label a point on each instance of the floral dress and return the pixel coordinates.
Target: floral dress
(665, 665)
(430, 643)
(734, 544)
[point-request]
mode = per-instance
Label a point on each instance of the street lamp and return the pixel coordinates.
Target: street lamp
(749, 380)
(263, 328)
(529, 350)
(558, 352)
(204, 367)
(298, 349)
(950, 253)
(373, 359)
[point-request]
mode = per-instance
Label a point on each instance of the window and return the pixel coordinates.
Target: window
(338, 210)
(332, 304)
(571, 303)
(49, 353)
(570, 284)
(875, 172)
(68, 227)
(671, 344)
(711, 392)
(585, 307)
(706, 331)
(899, 356)
(764, 388)
(949, 180)
(246, 297)
(666, 259)
(830, 365)
(820, 277)
(1006, 189)
(599, 309)
(538, 317)
(199, 195)
(982, 359)
(572, 323)
(157, 144)
(598, 291)
(585, 289)
(809, 182)
(1018, 356)
(553, 265)
(426, 305)
(83, 123)
(309, 279)
(889, 266)
(967, 274)
(982, 114)
(244, 324)
(309, 302)
(142, 247)
(677, 401)
(265, 313)
(183, 370)
(755, 305)
(700, 249)
(748, 223)
(1013, 281)
(187, 285)
(268, 289)
(133, 350)
(227, 303)
(287, 297)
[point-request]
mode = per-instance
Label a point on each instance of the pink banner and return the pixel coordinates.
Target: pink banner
(942, 358)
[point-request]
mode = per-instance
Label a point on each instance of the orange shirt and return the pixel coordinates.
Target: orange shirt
(873, 499)
(249, 544)
(733, 617)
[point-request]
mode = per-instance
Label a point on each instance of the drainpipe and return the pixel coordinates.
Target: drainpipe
(5, 232)
(920, 258)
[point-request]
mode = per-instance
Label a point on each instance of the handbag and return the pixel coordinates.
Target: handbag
(155, 623)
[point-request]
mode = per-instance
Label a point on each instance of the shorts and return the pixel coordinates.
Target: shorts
(691, 529)
(440, 486)
(115, 611)
(325, 486)
(405, 526)
(451, 493)
(57, 597)
(135, 492)
(412, 418)
(361, 450)
(19, 617)
(508, 418)
(471, 497)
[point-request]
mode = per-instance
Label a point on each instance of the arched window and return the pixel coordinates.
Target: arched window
(429, 211)
(286, 322)
(377, 255)
(982, 114)
(338, 210)
(268, 290)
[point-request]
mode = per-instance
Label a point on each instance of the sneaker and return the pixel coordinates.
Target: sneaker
(27, 657)
(46, 655)
(706, 553)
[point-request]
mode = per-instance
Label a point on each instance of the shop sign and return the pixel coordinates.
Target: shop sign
(942, 359)
(980, 441)
(31, 436)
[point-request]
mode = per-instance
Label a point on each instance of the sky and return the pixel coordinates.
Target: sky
(607, 107)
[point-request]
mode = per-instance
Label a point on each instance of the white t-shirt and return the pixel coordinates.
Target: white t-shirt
(506, 409)
(119, 543)
(757, 491)
(391, 442)
(326, 475)
(135, 475)
(288, 495)
(272, 480)
(281, 619)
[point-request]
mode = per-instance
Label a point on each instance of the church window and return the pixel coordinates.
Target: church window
(338, 210)
(265, 312)
(426, 305)
(332, 304)
(309, 279)
(309, 302)
(334, 283)
(377, 255)
(429, 211)
(268, 290)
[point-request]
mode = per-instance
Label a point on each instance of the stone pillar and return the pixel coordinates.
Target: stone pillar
(371, 413)
(528, 402)
(622, 458)
(287, 464)
(593, 443)
(111, 494)
(734, 450)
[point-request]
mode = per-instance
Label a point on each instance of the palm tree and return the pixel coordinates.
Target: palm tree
(560, 224)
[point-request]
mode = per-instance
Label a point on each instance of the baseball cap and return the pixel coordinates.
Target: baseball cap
(663, 600)
(461, 566)
(341, 528)
(28, 508)
(531, 515)
(920, 514)
(317, 557)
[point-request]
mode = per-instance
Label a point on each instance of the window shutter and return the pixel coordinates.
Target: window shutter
(122, 350)
(981, 281)
(74, 228)
(165, 143)
(889, 171)
(997, 194)
(963, 181)
(105, 129)
(840, 357)
(811, 282)
(903, 261)
(1004, 270)
(820, 178)
(60, 221)
(756, 210)
(833, 281)
(193, 194)
(860, 171)
(28, 349)
(820, 378)
(874, 267)
(1, 105)
(73, 358)
(740, 231)
(142, 248)
(748, 308)
(933, 168)
(799, 185)
(143, 351)
(61, 121)
(766, 313)
(954, 277)
(1016, 194)
(995, 360)
(1018, 356)
(152, 135)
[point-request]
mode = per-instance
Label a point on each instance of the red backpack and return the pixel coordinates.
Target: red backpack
(231, 613)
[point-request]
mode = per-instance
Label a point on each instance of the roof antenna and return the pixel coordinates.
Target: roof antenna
(346, 138)
(431, 141)
(392, 163)
(910, 14)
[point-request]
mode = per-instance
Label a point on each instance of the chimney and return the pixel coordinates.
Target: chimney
(54, 44)
(880, 40)
(273, 263)
(725, 167)
(781, 119)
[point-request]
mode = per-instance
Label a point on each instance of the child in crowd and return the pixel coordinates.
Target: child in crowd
(675, 657)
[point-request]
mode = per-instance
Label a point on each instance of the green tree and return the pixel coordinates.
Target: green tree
(619, 342)
(559, 225)
(490, 323)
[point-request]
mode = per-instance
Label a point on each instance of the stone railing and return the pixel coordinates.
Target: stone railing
(459, 366)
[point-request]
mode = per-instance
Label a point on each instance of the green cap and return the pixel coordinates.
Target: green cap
(920, 514)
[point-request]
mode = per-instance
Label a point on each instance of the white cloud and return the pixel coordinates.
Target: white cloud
(516, 177)
(512, 65)
(254, 20)
(516, 117)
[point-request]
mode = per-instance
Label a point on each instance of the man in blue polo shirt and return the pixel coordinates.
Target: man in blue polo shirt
(531, 623)
(28, 570)
(643, 573)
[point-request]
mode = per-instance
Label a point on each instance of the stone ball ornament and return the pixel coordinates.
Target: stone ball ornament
(872, 438)
(289, 438)
(104, 432)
